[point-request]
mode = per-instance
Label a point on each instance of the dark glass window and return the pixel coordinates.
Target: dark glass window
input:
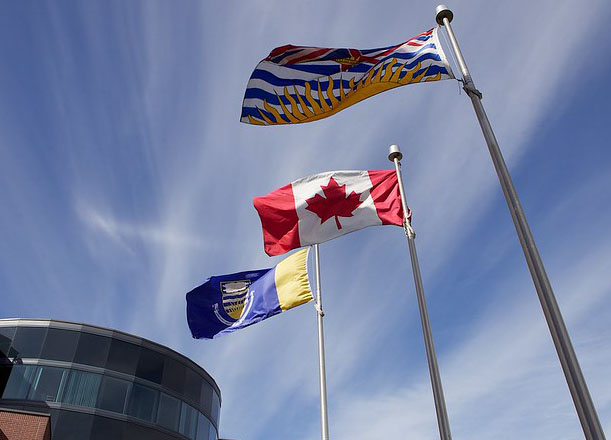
(92, 350)
(105, 428)
(6, 337)
(213, 435)
(20, 380)
(123, 357)
(54, 415)
(142, 402)
(5, 373)
(136, 431)
(205, 398)
(188, 421)
(112, 394)
(168, 415)
(150, 365)
(193, 385)
(28, 342)
(47, 384)
(72, 425)
(174, 375)
(216, 408)
(81, 388)
(203, 427)
(60, 345)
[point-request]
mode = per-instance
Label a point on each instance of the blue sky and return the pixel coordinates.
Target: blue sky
(127, 180)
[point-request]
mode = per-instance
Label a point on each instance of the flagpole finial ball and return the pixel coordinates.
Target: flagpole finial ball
(394, 152)
(441, 12)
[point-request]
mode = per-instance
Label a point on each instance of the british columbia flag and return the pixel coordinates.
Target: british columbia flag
(297, 84)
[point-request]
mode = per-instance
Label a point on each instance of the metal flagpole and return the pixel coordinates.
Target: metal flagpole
(324, 420)
(574, 377)
(440, 404)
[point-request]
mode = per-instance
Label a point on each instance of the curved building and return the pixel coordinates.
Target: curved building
(96, 383)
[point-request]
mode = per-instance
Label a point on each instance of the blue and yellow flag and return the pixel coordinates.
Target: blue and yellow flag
(229, 302)
(297, 84)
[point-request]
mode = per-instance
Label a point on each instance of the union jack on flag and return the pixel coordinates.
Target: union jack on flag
(297, 84)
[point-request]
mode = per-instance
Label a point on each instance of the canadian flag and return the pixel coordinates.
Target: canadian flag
(324, 206)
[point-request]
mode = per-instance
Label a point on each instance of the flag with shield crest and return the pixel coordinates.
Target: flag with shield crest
(226, 303)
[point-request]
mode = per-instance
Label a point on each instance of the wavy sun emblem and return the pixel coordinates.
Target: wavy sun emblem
(378, 80)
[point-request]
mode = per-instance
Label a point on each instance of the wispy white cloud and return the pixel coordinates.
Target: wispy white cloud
(124, 232)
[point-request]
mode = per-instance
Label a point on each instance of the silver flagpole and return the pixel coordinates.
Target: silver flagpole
(324, 420)
(440, 404)
(574, 377)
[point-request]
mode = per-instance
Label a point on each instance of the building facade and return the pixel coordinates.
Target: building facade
(24, 425)
(97, 383)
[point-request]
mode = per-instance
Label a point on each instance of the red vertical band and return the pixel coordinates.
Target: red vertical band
(386, 197)
(279, 221)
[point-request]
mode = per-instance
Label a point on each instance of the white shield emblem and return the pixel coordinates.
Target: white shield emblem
(234, 296)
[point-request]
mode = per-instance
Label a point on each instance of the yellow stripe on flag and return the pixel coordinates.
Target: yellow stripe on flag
(292, 284)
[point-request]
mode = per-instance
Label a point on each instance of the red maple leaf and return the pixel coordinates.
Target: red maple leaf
(336, 204)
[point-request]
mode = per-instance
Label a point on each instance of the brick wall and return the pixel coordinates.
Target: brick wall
(23, 425)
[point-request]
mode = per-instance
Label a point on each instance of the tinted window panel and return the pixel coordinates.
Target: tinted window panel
(205, 398)
(213, 435)
(5, 373)
(92, 350)
(136, 431)
(193, 386)
(81, 388)
(28, 342)
(112, 394)
(47, 384)
(150, 365)
(104, 428)
(188, 421)
(6, 337)
(168, 415)
(142, 402)
(123, 357)
(203, 427)
(54, 413)
(20, 380)
(174, 375)
(71, 425)
(216, 408)
(60, 345)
